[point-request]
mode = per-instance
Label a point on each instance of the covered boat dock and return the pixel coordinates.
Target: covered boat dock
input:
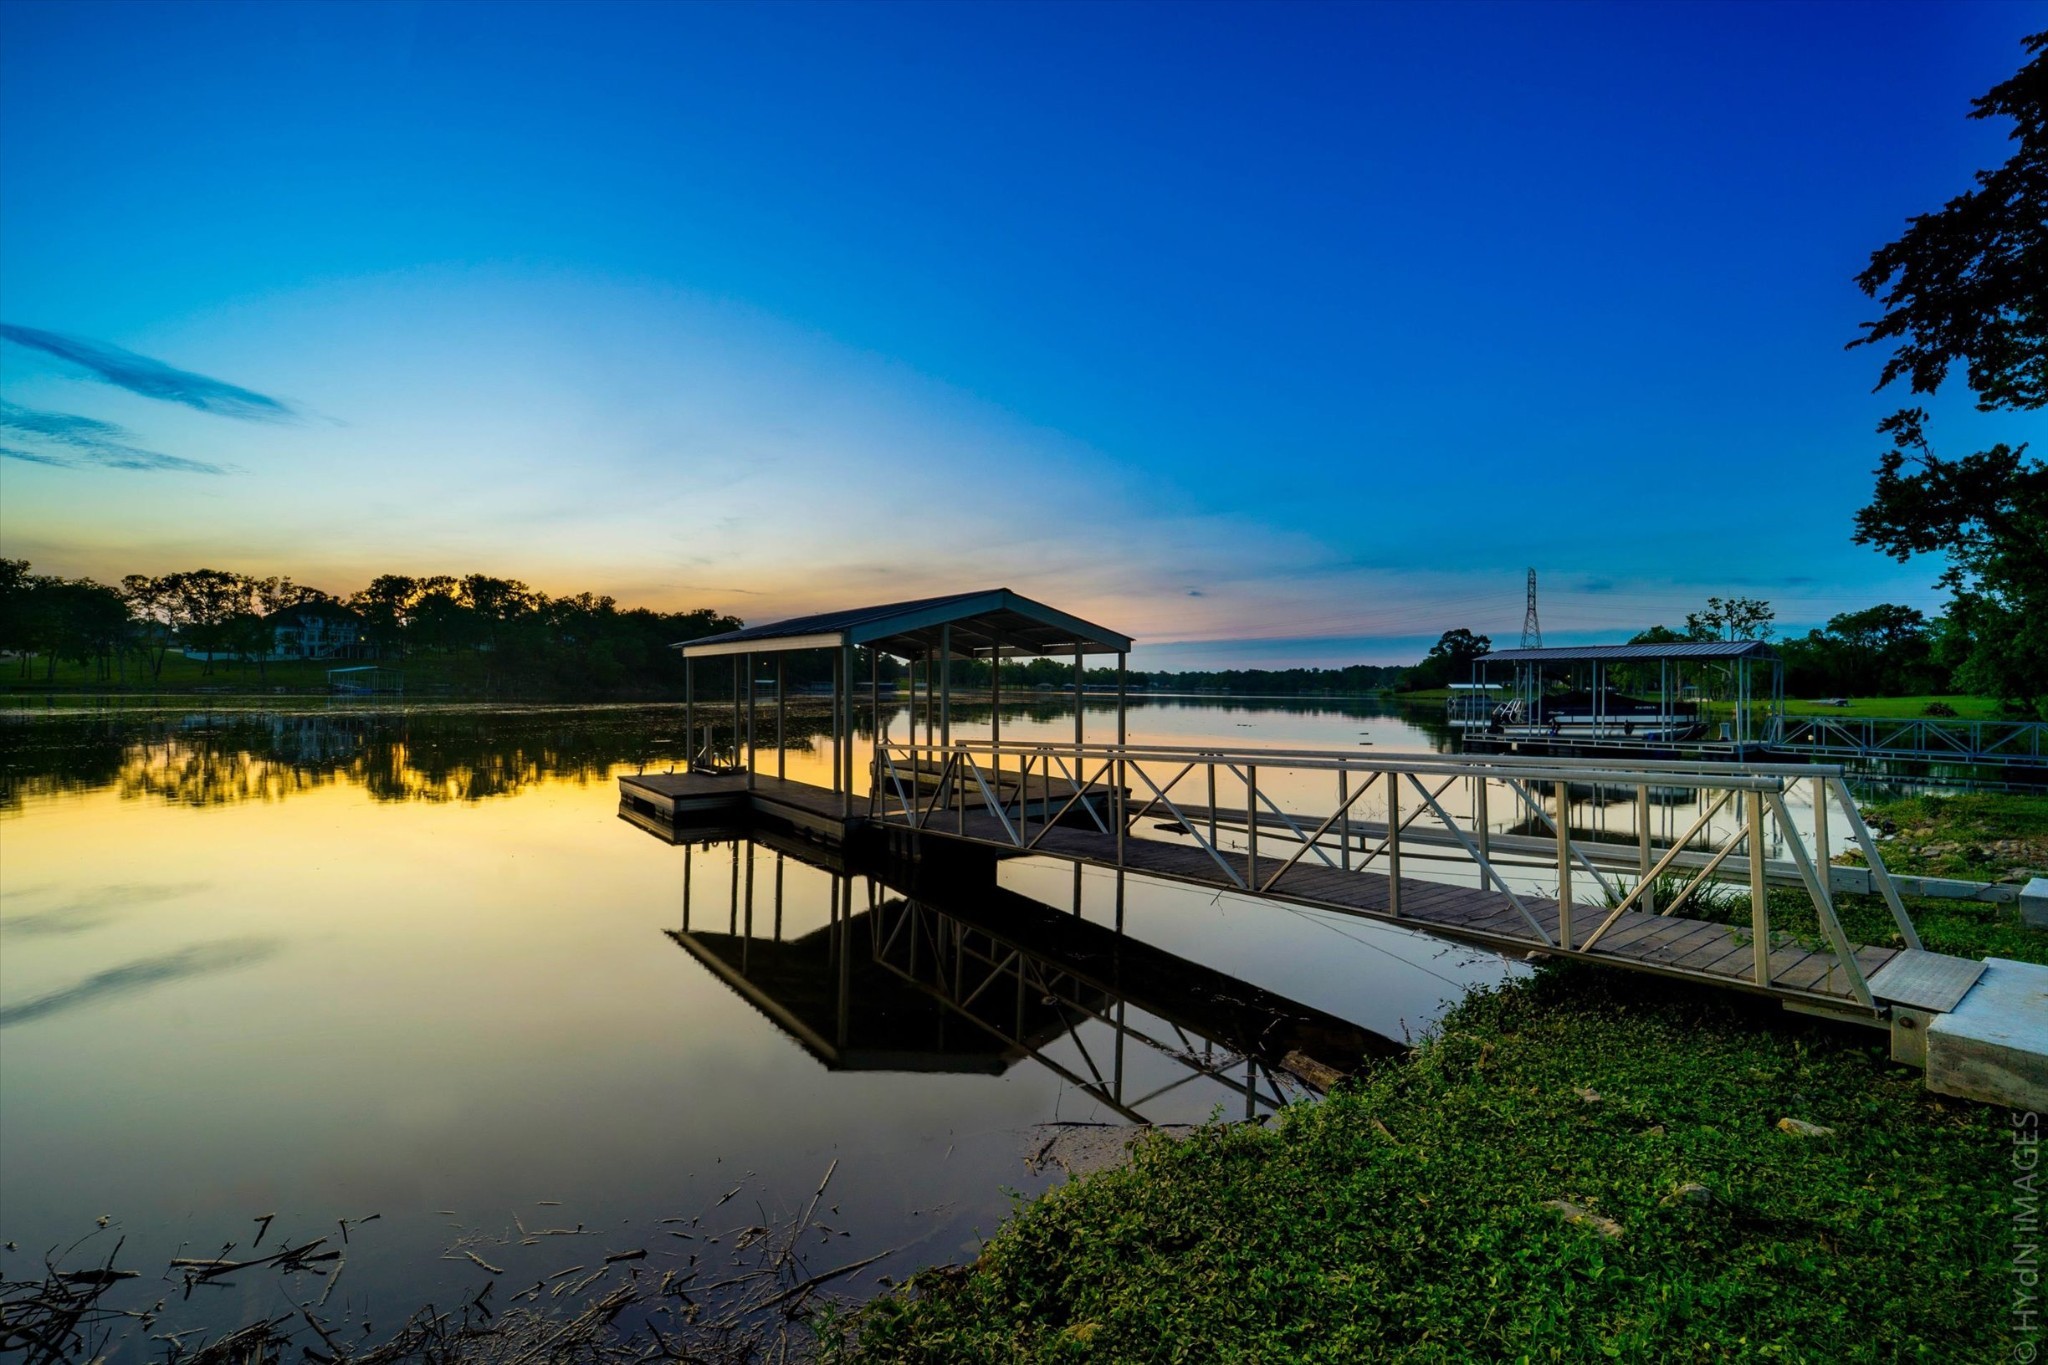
(929, 635)
(1651, 694)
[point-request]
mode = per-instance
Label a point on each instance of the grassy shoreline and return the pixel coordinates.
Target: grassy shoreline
(1415, 1214)
(1577, 1166)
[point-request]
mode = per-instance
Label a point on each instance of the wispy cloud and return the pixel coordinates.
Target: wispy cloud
(152, 378)
(72, 442)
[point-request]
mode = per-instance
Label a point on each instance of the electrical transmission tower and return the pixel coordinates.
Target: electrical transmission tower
(1532, 631)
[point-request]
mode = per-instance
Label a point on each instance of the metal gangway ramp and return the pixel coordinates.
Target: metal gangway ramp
(1351, 833)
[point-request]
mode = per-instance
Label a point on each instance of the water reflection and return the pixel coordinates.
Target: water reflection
(472, 1003)
(90, 911)
(914, 971)
(201, 959)
(458, 753)
(218, 758)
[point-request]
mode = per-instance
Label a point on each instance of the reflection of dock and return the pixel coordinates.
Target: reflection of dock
(972, 978)
(1301, 830)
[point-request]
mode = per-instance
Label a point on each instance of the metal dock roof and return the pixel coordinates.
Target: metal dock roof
(977, 624)
(1676, 649)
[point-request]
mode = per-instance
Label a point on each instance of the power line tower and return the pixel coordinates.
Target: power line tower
(1532, 630)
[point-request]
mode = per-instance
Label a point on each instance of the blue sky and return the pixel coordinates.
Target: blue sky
(1286, 334)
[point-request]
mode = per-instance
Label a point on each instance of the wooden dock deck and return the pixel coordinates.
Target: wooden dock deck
(1803, 975)
(1668, 944)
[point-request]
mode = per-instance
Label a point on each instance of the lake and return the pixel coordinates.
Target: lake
(328, 962)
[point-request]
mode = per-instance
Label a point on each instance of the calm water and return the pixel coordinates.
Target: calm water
(329, 963)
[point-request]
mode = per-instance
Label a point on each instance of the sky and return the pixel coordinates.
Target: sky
(1270, 335)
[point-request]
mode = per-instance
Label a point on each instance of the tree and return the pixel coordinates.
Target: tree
(1885, 650)
(16, 588)
(1970, 283)
(152, 607)
(1731, 618)
(1449, 660)
(88, 624)
(1988, 512)
(204, 603)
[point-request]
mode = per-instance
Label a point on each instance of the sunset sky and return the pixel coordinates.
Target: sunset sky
(1275, 334)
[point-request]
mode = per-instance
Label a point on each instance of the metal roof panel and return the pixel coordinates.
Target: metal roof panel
(1008, 622)
(1677, 649)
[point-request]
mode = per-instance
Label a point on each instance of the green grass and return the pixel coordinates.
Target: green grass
(179, 675)
(1974, 929)
(1404, 1218)
(1966, 708)
(423, 673)
(1971, 837)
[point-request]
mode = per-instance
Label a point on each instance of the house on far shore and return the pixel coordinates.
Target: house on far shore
(317, 629)
(320, 628)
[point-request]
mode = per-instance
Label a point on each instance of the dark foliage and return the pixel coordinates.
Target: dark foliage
(1970, 283)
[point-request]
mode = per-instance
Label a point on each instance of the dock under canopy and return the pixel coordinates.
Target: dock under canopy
(1664, 663)
(928, 634)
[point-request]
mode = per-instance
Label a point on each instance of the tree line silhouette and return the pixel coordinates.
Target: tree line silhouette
(478, 632)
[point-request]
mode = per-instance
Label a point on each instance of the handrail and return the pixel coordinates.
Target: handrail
(1488, 760)
(1738, 777)
(963, 767)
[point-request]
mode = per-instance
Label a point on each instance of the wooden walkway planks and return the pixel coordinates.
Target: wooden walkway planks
(1698, 949)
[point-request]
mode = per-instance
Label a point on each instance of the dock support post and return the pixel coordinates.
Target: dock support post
(1481, 833)
(1821, 859)
(1251, 824)
(995, 718)
(843, 932)
(1759, 903)
(916, 754)
(836, 738)
(946, 717)
(747, 922)
(750, 721)
(1649, 901)
(875, 749)
(781, 709)
(689, 714)
(1212, 802)
(736, 730)
(845, 755)
(1394, 845)
(1080, 740)
(1344, 818)
(1564, 865)
(1119, 796)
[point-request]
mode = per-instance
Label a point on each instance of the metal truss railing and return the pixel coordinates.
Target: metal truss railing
(1429, 806)
(1940, 741)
